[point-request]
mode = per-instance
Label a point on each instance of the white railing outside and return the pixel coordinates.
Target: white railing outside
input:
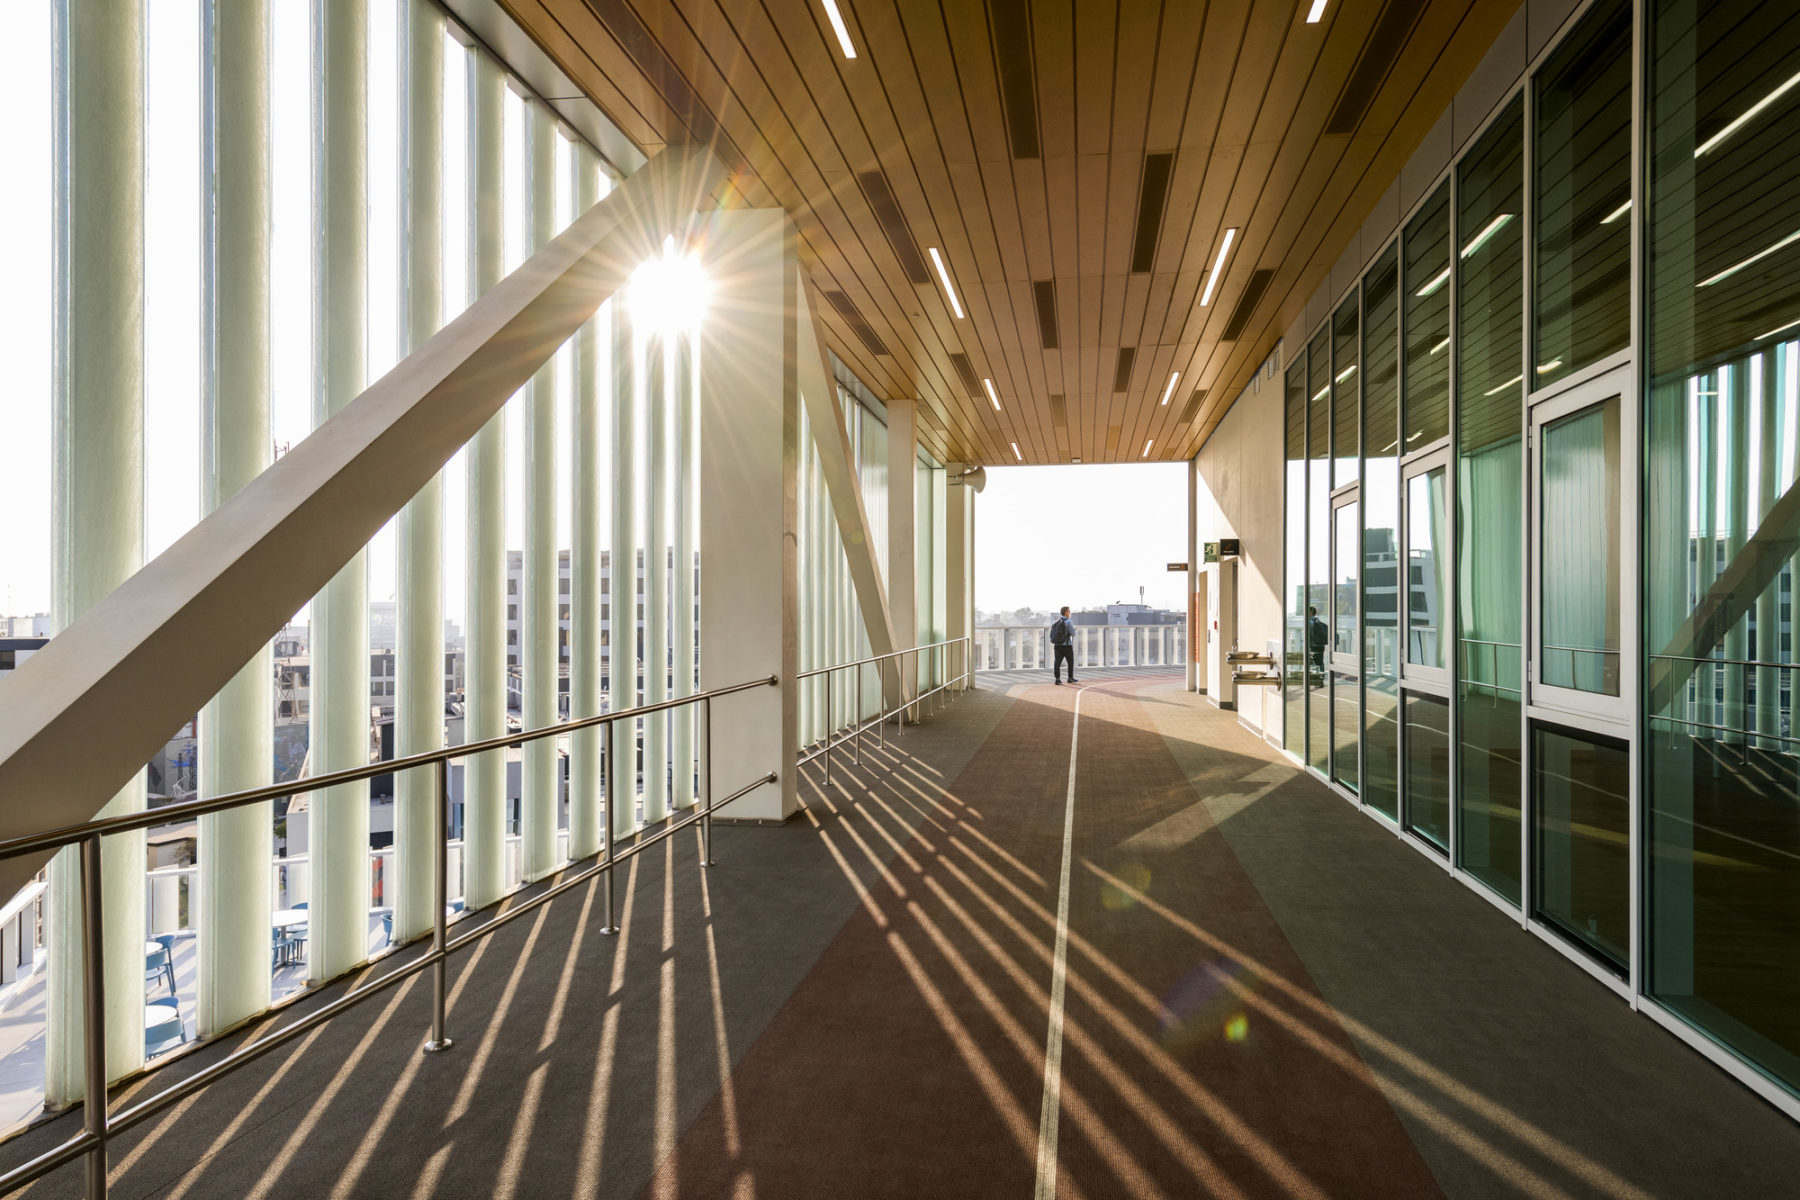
(1024, 648)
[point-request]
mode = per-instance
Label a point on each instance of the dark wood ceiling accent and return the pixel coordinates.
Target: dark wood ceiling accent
(1020, 138)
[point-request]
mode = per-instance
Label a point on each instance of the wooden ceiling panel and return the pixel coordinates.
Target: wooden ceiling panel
(1239, 90)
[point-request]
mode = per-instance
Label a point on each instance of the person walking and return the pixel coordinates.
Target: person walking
(1319, 637)
(1062, 642)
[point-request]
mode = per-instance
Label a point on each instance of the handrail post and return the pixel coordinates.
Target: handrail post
(93, 1012)
(827, 728)
(440, 903)
(706, 793)
(857, 723)
(610, 765)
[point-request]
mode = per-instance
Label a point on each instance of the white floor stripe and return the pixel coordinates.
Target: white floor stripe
(1052, 1109)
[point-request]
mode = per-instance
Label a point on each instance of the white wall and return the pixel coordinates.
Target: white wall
(1239, 496)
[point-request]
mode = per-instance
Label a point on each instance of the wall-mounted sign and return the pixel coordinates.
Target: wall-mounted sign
(1212, 552)
(1177, 566)
(1228, 548)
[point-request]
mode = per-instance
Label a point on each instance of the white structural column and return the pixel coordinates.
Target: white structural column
(902, 577)
(419, 653)
(750, 455)
(1196, 631)
(484, 658)
(593, 368)
(537, 606)
(959, 556)
(686, 491)
(98, 477)
(338, 827)
(236, 727)
(657, 485)
(622, 600)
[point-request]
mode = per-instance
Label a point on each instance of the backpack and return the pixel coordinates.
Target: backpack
(1059, 632)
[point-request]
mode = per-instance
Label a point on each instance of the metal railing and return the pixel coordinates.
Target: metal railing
(100, 1125)
(1027, 647)
(853, 732)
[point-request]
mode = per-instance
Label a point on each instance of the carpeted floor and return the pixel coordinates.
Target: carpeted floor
(1265, 994)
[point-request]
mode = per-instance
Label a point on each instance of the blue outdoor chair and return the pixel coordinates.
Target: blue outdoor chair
(163, 1027)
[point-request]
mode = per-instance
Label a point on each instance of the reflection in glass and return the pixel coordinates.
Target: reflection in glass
(1490, 500)
(1427, 748)
(1346, 695)
(1582, 270)
(1724, 404)
(1581, 839)
(1428, 580)
(1344, 728)
(1346, 391)
(1382, 570)
(1426, 285)
(1579, 568)
(1294, 669)
(1318, 559)
(1348, 558)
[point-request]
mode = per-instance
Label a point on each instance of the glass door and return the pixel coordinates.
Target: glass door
(1345, 638)
(1426, 638)
(1583, 547)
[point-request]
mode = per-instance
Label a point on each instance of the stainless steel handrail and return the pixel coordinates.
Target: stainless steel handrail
(853, 733)
(99, 1126)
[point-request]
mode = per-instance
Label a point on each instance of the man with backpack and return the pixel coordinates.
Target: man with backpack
(1062, 639)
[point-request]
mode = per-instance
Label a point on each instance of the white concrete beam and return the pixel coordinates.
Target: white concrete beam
(157, 647)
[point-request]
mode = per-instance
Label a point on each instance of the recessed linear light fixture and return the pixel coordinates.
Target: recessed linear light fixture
(1170, 390)
(1077, 458)
(1728, 272)
(1346, 373)
(1212, 280)
(1487, 234)
(1441, 345)
(989, 385)
(937, 260)
(1016, 453)
(1320, 394)
(1148, 442)
(1713, 141)
(1315, 12)
(1616, 213)
(1513, 382)
(837, 26)
(1550, 366)
(1777, 329)
(1433, 284)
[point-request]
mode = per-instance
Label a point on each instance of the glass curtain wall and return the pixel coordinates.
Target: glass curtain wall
(1490, 379)
(1294, 670)
(1721, 513)
(1425, 425)
(1318, 554)
(1382, 570)
(1347, 539)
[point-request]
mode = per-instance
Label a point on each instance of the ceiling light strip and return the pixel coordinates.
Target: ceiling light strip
(1212, 280)
(837, 26)
(937, 260)
(1440, 346)
(1513, 382)
(1170, 390)
(1016, 453)
(1315, 12)
(1728, 272)
(1437, 281)
(1713, 141)
(1346, 373)
(989, 385)
(1148, 442)
(1616, 213)
(1487, 234)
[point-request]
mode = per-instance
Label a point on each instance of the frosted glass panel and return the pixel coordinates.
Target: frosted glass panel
(1579, 568)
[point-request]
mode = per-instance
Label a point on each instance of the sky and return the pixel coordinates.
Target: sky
(1081, 535)
(172, 245)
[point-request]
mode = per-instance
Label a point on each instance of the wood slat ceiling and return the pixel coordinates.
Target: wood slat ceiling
(1023, 139)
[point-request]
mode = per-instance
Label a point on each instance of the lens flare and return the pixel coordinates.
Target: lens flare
(1115, 898)
(1205, 1003)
